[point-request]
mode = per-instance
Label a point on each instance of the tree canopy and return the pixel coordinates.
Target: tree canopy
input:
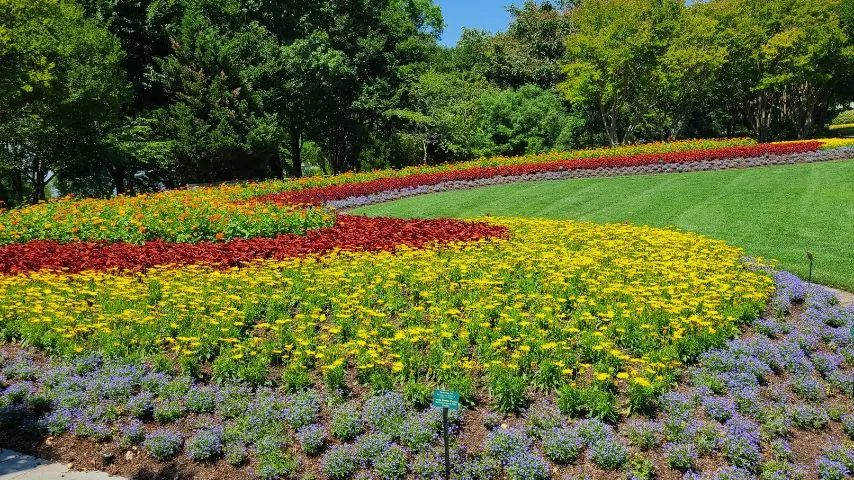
(123, 96)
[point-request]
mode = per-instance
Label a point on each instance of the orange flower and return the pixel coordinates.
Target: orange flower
(220, 236)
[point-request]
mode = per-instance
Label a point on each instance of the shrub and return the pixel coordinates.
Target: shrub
(385, 413)
(163, 444)
(168, 411)
(808, 417)
(504, 443)
(417, 395)
(542, 417)
(643, 398)
(235, 453)
(808, 388)
(200, 400)
(140, 405)
(296, 378)
(273, 463)
(708, 438)
(831, 469)
(427, 466)
(848, 425)
(131, 433)
(58, 421)
(509, 391)
(370, 445)
(569, 400)
(232, 401)
(844, 118)
(302, 409)
(417, 432)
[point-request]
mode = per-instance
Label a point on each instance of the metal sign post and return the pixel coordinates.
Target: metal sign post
(446, 400)
(811, 258)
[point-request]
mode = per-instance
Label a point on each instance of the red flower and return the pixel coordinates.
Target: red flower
(349, 233)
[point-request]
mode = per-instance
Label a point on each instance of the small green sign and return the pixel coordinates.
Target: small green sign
(446, 399)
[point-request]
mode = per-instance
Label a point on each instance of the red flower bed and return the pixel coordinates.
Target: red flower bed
(349, 233)
(340, 192)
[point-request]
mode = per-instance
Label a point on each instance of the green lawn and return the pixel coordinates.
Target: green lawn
(774, 212)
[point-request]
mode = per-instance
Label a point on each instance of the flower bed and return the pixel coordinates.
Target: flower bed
(839, 153)
(221, 213)
(772, 404)
(339, 192)
(348, 233)
(178, 216)
(554, 300)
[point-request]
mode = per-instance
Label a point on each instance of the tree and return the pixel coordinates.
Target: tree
(442, 111)
(523, 121)
(787, 58)
(529, 52)
(613, 54)
(687, 70)
(60, 81)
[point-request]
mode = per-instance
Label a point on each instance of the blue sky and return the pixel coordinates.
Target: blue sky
(488, 15)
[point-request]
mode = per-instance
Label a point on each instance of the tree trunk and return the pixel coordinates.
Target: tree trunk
(275, 164)
(424, 144)
(39, 185)
(18, 185)
(296, 152)
(117, 173)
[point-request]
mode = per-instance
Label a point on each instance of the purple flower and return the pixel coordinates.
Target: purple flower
(311, 438)
(417, 432)
(163, 444)
(608, 453)
(719, 408)
(370, 445)
(680, 456)
(205, 445)
(503, 443)
(645, 435)
(385, 413)
(339, 462)
(131, 433)
(562, 445)
(526, 466)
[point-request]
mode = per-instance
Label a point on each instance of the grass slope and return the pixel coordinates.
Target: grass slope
(774, 212)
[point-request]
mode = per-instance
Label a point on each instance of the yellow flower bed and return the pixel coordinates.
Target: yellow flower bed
(612, 303)
(830, 143)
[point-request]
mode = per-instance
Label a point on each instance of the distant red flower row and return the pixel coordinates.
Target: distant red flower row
(349, 233)
(340, 192)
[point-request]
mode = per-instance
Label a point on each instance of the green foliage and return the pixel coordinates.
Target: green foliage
(60, 82)
(844, 118)
(508, 390)
(523, 121)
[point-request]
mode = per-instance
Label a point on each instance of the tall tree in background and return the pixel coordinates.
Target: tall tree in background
(60, 82)
(613, 55)
(786, 60)
(529, 52)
